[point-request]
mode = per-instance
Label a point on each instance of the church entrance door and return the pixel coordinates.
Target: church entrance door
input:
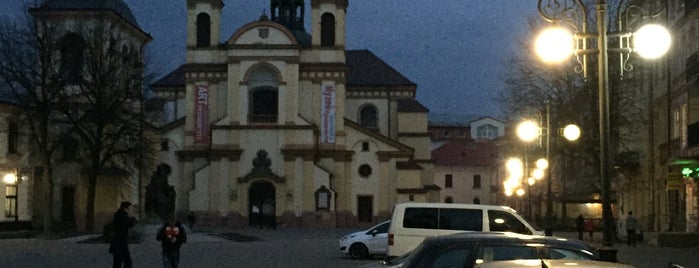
(262, 204)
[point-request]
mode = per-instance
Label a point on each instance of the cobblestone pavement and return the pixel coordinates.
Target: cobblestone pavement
(284, 247)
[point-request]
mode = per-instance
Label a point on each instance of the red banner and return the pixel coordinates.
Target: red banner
(201, 115)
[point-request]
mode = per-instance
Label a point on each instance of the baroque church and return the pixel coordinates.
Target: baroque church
(278, 115)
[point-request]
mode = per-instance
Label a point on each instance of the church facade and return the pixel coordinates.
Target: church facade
(276, 115)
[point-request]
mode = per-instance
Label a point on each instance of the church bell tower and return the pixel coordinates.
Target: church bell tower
(203, 23)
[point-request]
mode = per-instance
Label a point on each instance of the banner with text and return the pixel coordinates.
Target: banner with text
(201, 114)
(327, 114)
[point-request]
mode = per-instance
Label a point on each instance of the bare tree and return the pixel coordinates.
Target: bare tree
(83, 81)
(105, 106)
(28, 71)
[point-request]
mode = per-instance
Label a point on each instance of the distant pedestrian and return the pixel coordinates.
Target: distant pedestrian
(191, 220)
(632, 225)
(119, 246)
(590, 227)
(172, 235)
(256, 215)
(580, 226)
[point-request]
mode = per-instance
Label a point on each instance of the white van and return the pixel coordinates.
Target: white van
(413, 222)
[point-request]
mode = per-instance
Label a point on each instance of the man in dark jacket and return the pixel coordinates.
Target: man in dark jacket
(172, 235)
(119, 247)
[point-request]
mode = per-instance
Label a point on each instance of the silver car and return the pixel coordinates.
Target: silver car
(362, 244)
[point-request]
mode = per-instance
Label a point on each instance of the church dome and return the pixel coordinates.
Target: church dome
(117, 6)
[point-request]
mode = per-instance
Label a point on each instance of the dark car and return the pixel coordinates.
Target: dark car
(473, 248)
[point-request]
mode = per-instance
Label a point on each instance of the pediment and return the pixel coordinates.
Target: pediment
(262, 33)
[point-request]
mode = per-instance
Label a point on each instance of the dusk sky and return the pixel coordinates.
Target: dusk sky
(452, 49)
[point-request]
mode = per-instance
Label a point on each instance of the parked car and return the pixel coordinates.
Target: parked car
(362, 244)
(413, 222)
(553, 264)
(473, 249)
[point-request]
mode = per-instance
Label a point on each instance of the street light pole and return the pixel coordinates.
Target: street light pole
(604, 125)
(549, 196)
(650, 41)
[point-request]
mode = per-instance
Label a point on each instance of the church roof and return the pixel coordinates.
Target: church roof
(117, 6)
(411, 106)
(172, 80)
(366, 69)
(465, 154)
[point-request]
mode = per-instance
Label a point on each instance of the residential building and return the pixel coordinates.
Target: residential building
(468, 168)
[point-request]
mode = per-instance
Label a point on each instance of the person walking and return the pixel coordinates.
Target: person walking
(172, 235)
(590, 227)
(632, 225)
(580, 226)
(119, 246)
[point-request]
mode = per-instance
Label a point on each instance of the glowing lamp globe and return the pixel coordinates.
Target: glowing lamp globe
(651, 41)
(528, 131)
(554, 45)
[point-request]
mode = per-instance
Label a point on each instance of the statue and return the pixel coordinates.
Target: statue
(261, 163)
(160, 196)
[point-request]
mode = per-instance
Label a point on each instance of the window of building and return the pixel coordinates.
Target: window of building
(446, 133)
(263, 95)
(411, 198)
(327, 30)
(476, 200)
(448, 180)
(12, 138)
(264, 102)
(462, 133)
(365, 146)
(203, 30)
(476, 181)
(368, 117)
(486, 132)
(164, 146)
(449, 200)
(71, 66)
(10, 200)
(365, 171)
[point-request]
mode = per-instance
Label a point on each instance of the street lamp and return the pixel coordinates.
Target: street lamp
(568, 12)
(529, 131)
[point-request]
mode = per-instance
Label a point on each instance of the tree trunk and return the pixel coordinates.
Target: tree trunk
(90, 213)
(47, 175)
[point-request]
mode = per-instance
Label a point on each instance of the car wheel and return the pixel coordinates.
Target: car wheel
(359, 251)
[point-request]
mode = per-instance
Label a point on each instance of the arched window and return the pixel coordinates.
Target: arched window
(327, 30)
(449, 199)
(71, 48)
(476, 200)
(203, 30)
(263, 96)
(368, 118)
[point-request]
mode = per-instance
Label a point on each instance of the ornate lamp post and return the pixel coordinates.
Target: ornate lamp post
(529, 131)
(650, 41)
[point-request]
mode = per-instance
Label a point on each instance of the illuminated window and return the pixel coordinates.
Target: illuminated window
(10, 200)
